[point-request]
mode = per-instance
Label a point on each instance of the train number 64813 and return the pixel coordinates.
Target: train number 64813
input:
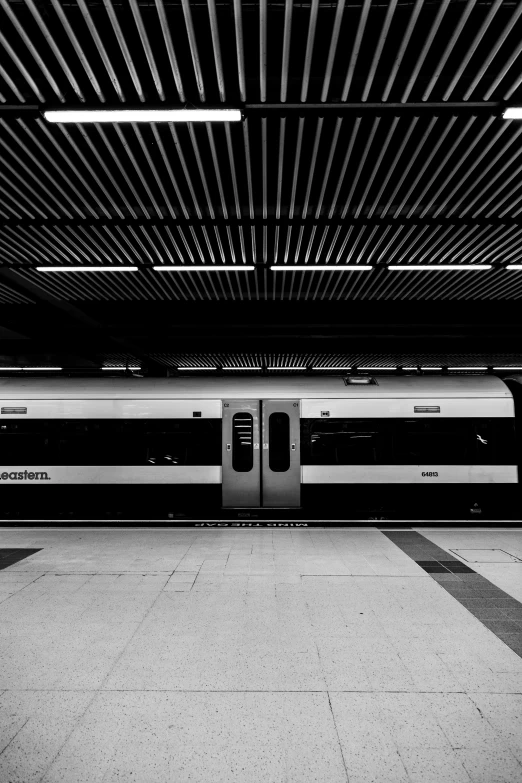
(429, 473)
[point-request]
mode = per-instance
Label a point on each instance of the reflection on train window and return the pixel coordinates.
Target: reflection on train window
(279, 442)
(347, 442)
(111, 442)
(407, 442)
(242, 442)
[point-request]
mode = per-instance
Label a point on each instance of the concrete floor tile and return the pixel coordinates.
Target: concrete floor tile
(33, 728)
(245, 638)
(224, 738)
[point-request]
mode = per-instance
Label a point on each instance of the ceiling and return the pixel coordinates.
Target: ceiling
(372, 136)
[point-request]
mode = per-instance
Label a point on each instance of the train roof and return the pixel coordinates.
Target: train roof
(252, 387)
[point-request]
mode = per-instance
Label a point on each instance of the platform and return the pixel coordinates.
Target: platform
(268, 655)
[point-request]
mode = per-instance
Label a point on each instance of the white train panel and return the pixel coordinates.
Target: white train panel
(111, 409)
(110, 474)
(473, 407)
(409, 474)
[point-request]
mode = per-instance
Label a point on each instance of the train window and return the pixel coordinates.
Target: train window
(111, 442)
(242, 442)
(407, 442)
(347, 442)
(279, 442)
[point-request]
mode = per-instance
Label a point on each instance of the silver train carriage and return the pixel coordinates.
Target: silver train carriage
(338, 447)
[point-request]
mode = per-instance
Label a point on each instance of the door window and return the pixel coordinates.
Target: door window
(242, 442)
(279, 442)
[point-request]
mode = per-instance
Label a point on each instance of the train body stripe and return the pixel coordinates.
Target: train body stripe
(409, 474)
(110, 474)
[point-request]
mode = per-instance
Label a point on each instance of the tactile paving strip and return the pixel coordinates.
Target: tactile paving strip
(495, 609)
(9, 557)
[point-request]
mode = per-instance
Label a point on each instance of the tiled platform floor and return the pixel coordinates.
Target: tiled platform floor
(236, 655)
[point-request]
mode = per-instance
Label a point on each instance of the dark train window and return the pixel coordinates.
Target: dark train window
(111, 442)
(346, 442)
(279, 442)
(407, 441)
(242, 442)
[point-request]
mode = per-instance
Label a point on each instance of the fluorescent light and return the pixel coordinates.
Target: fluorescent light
(371, 369)
(513, 113)
(436, 267)
(437, 369)
(87, 268)
(130, 367)
(241, 368)
(467, 368)
(32, 369)
(143, 115)
(512, 266)
(507, 368)
(197, 368)
(331, 368)
(323, 268)
(409, 368)
(209, 268)
(11, 369)
(286, 368)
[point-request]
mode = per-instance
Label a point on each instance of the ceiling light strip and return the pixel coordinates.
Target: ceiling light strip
(436, 268)
(222, 268)
(87, 269)
(142, 115)
(513, 113)
(121, 367)
(320, 268)
(332, 368)
(507, 368)
(195, 369)
(468, 368)
(241, 368)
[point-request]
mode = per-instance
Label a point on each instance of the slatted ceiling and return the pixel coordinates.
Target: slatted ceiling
(311, 185)
(307, 361)
(379, 285)
(10, 296)
(330, 168)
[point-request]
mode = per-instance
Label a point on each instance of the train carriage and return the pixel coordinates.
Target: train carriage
(310, 447)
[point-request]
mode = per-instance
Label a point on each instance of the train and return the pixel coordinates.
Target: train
(332, 448)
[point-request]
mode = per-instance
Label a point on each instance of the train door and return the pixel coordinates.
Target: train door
(261, 454)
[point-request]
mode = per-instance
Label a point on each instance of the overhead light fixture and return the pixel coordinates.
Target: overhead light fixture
(142, 115)
(436, 267)
(11, 369)
(343, 369)
(410, 368)
(507, 368)
(209, 268)
(322, 268)
(513, 113)
(362, 381)
(467, 368)
(241, 368)
(43, 369)
(87, 268)
(435, 369)
(512, 266)
(371, 369)
(286, 368)
(195, 369)
(130, 367)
